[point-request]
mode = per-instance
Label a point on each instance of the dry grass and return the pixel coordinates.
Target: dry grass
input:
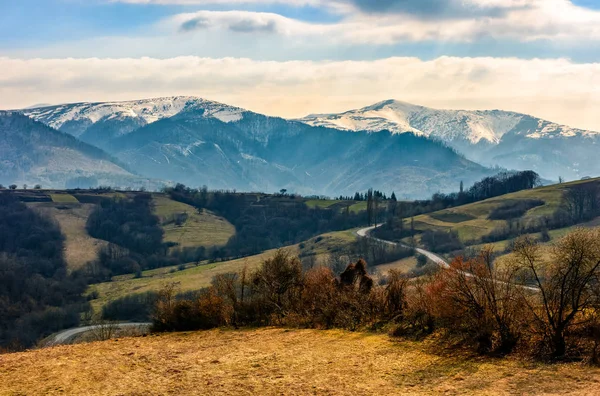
(200, 229)
(404, 266)
(192, 278)
(277, 362)
(331, 242)
(80, 248)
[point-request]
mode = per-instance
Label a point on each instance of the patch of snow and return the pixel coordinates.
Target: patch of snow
(253, 158)
(148, 110)
(402, 117)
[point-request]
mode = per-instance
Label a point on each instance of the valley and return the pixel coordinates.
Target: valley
(195, 222)
(123, 240)
(301, 197)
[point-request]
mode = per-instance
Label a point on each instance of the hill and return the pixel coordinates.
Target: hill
(280, 361)
(473, 221)
(32, 153)
(492, 137)
(188, 278)
(195, 141)
(182, 224)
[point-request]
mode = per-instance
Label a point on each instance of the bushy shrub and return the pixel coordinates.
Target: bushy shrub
(514, 209)
(542, 308)
(441, 241)
(135, 307)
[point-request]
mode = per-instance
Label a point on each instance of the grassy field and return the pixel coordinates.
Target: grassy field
(471, 221)
(355, 206)
(196, 277)
(321, 203)
(280, 361)
(404, 266)
(63, 198)
(331, 242)
(192, 278)
(80, 248)
(200, 229)
(358, 207)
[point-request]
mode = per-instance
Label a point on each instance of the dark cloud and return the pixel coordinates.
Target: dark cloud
(243, 25)
(194, 24)
(252, 26)
(429, 9)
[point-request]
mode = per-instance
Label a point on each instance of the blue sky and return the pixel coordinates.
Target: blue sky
(443, 53)
(29, 27)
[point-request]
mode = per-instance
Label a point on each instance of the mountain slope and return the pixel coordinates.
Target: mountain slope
(32, 153)
(197, 142)
(493, 137)
(95, 123)
(267, 154)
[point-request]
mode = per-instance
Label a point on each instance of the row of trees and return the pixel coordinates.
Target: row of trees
(543, 308)
(25, 186)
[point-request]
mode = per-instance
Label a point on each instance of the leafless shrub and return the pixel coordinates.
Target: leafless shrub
(567, 285)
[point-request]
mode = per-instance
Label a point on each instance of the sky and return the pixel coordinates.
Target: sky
(295, 57)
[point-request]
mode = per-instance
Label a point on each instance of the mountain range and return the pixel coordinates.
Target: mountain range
(490, 137)
(392, 145)
(33, 153)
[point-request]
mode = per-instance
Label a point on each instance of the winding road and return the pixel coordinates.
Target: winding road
(364, 232)
(66, 335)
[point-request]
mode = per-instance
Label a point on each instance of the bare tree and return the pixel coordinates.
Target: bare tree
(566, 283)
(103, 330)
(489, 299)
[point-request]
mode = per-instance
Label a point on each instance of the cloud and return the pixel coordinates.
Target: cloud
(235, 21)
(386, 22)
(194, 24)
(434, 9)
(221, 2)
(555, 89)
(544, 22)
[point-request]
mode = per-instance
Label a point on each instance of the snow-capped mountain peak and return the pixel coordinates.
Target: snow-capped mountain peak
(143, 112)
(455, 127)
(400, 117)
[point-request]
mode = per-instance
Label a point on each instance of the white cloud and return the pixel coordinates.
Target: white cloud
(556, 89)
(417, 20)
(221, 2)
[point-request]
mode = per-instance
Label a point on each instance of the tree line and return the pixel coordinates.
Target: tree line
(264, 222)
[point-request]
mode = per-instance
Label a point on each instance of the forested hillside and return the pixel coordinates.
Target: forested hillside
(33, 153)
(37, 295)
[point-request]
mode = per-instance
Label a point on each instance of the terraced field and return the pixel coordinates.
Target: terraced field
(471, 221)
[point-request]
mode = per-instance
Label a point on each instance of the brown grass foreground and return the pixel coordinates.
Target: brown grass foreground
(279, 361)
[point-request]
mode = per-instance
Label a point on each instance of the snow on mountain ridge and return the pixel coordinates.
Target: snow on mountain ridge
(146, 110)
(472, 126)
